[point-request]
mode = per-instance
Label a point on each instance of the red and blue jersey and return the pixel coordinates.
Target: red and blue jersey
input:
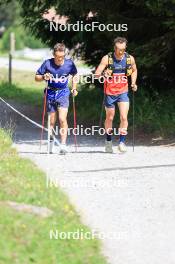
(118, 83)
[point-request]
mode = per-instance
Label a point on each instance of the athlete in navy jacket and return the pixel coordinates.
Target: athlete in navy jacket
(56, 72)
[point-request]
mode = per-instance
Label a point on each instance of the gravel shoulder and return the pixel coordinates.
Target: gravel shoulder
(129, 199)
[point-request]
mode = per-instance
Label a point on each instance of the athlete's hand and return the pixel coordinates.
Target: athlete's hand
(47, 76)
(134, 87)
(74, 92)
(107, 73)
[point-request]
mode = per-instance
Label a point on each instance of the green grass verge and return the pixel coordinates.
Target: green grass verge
(25, 94)
(24, 79)
(154, 113)
(24, 88)
(25, 237)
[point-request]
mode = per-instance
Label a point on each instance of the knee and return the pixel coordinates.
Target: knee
(62, 121)
(110, 118)
(123, 118)
(52, 123)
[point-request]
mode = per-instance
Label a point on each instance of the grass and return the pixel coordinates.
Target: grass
(24, 94)
(24, 79)
(25, 237)
(154, 114)
(24, 88)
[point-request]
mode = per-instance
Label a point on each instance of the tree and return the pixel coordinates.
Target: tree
(11, 21)
(9, 11)
(151, 32)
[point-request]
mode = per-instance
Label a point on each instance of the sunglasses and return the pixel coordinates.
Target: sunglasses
(59, 57)
(121, 50)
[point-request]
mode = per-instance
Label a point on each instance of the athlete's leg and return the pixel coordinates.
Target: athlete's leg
(53, 116)
(123, 109)
(52, 112)
(110, 113)
(51, 126)
(63, 123)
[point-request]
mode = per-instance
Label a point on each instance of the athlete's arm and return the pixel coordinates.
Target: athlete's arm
(74, 84)
(38, 78)
(134, 74)
(45, 77)
(103, 64)
(42, 73)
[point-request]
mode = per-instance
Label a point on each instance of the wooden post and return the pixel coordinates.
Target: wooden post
(12, 49)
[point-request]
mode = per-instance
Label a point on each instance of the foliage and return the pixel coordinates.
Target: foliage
(9, 11)
(151, 32)
(151, 35)
(22, 39)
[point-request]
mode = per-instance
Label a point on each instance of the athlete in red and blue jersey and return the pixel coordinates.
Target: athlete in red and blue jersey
(116, 89)
(56, 72)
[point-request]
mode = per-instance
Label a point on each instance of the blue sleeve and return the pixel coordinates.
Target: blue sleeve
(42, 69)
(73, 70)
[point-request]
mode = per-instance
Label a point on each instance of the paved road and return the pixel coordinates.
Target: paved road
(130, 196)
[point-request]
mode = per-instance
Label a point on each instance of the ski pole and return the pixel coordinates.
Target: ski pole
(102, 106)
(43, 117)
(133, 121)
(101, 113)
(75, 123)
(48, 134)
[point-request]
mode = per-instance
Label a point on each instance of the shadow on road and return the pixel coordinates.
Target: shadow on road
(127, 168)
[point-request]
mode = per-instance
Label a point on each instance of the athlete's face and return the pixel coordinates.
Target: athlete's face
(59, 57)
(120, 48)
